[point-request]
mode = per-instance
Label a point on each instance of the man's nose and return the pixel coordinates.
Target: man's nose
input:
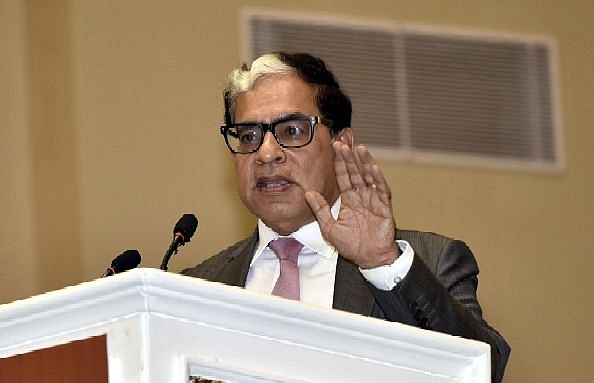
(270, 151)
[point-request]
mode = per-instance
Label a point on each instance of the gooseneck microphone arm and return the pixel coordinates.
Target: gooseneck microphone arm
(178, 240)
(182, 232)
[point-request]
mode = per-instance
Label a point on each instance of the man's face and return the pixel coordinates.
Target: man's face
(273, 180)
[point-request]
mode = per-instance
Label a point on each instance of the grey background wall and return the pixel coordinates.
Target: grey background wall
(108, 133)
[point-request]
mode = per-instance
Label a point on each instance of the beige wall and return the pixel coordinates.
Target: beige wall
(108, 133)
(18, 276)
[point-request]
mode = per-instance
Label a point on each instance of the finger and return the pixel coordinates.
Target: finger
(381, 186)
(340, 168)
(353, 167)
(366, 164)
(321, 211)
(373, 175)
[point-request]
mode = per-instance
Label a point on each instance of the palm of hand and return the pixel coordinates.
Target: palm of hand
(365, 228)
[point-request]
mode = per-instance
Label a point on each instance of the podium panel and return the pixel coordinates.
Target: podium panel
(79, 361)
(162, 327)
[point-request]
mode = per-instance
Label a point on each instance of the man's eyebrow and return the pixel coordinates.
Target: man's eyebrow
(280, 117)
(288, 116)
(248, 123)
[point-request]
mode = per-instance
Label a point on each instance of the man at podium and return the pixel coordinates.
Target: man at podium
(326, 232)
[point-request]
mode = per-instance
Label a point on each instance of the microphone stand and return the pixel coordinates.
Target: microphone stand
(178, 239)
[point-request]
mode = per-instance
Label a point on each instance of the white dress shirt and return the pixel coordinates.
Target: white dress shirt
(317, 264)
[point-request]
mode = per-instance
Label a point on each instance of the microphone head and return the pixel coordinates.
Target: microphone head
(129, 259)
(186, 227)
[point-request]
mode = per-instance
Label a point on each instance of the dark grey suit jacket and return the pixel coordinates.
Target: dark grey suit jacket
(438, 293)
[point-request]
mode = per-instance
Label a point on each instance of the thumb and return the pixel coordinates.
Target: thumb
(321, 210)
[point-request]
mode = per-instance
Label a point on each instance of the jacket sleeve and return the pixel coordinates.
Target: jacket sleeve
(441, 296)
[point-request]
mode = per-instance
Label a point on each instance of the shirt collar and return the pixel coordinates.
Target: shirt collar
(309, 235)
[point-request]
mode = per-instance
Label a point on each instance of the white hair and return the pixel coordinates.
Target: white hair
(243, 79)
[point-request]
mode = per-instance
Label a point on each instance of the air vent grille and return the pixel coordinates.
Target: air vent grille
(432, 96)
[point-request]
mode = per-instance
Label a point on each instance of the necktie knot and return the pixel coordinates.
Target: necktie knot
(287, 250)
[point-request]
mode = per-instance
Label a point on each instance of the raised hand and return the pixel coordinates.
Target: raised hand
(364, 230)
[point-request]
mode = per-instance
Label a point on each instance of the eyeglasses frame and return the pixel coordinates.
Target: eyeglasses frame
(270, 127)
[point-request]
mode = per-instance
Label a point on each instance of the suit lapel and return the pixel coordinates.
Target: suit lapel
(350, 290)
(235, 272)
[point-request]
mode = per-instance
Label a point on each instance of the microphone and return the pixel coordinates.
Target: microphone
(129, 259)
(182, 232)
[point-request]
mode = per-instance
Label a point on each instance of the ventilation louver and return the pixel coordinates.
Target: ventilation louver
(427, 95)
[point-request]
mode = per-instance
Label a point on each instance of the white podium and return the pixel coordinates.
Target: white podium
(163, 327)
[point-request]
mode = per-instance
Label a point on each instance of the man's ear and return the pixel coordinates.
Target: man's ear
(346, 136)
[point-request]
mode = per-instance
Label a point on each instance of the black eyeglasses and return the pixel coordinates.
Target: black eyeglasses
(290, 132)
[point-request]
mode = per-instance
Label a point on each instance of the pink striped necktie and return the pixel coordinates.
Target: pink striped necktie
(287, 250)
